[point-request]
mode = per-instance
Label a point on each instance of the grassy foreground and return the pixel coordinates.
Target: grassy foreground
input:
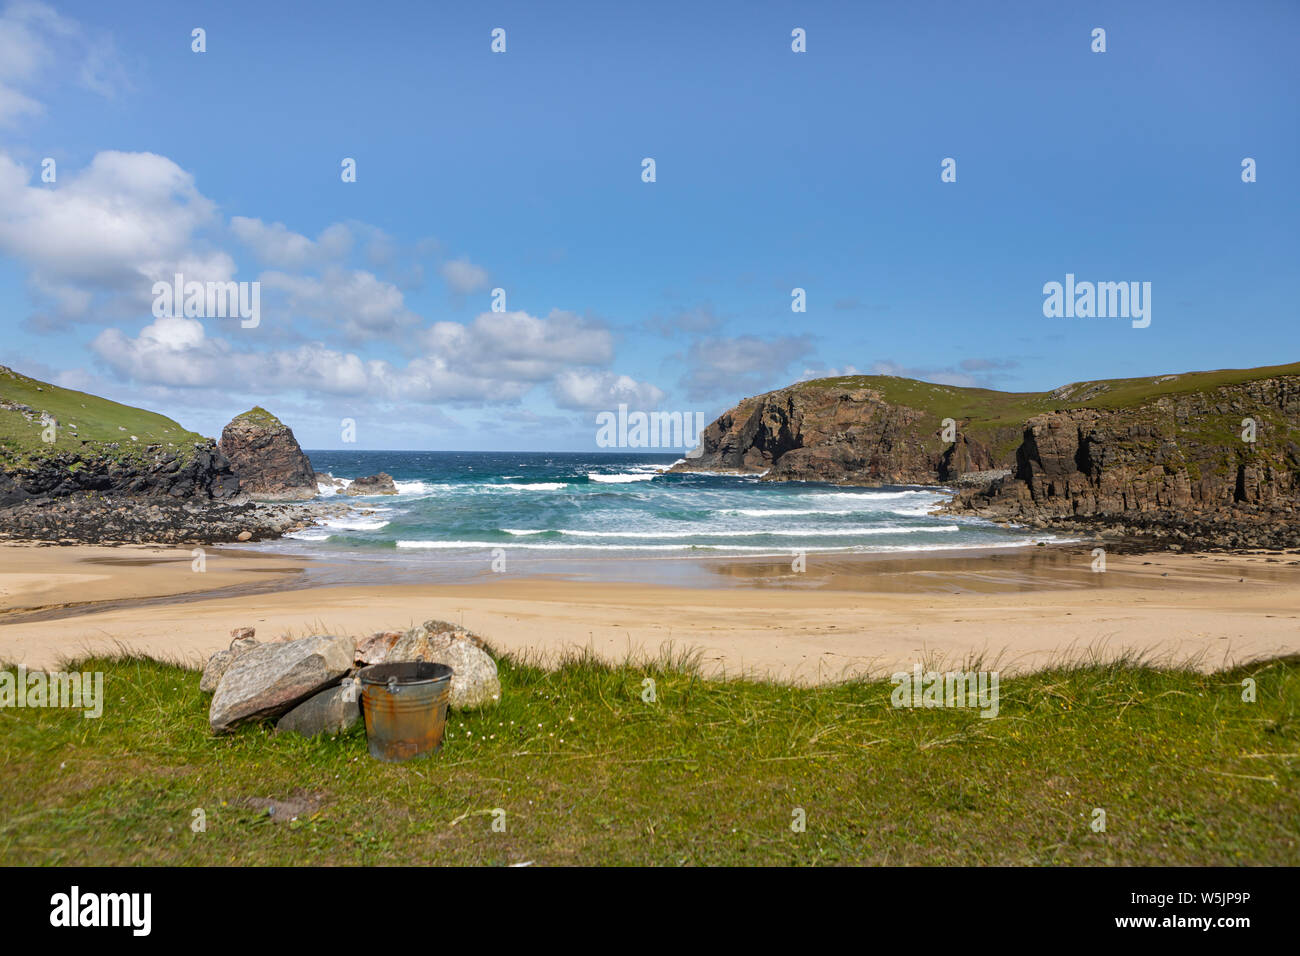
(711, 773)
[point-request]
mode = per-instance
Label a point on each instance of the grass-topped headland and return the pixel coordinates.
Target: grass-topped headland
(711, 772)
(84, 424)
(993, 406)
(997, 418)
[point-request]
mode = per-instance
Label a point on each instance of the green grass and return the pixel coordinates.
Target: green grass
(100, 424)
(997, 418)
(259, 416)
(709, 774)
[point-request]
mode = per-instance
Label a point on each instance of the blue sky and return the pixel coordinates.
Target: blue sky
(522, 171)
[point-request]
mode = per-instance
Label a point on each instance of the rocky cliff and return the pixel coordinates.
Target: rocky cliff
(1181, 466)
(267, 458)
(78, 468)
(56, 442)
(1200, 450)
(843, 434)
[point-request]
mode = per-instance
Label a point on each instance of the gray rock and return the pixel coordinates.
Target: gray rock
(380, 484)
(241, 644)
(376, 648)
(214, 670)
(269, 679)
(474, 679)
(331, 711)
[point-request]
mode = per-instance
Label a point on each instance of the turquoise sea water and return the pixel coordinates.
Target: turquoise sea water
(600, 505)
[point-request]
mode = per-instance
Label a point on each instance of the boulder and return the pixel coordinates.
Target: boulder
(241, 640)
(214, 670)
(270, 679)
(241, 644)
(333, 710)
(474, 681)
(432, 635)
(380, 484)
(376, 648)
(267, 458)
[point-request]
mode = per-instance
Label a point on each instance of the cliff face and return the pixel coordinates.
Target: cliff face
(843, 435)
(1181, 452)
(1170, 448)
(155, 473)
(56, 442)
(267, 458)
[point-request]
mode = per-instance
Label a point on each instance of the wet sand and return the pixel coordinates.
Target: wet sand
(841, 616)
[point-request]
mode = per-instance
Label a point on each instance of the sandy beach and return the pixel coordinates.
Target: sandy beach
(844, 616)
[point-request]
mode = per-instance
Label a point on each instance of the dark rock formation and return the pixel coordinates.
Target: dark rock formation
(96, 519)
(1179, 453)
(267, 458)
(1159, 458)
(380, 484)
(841, 435)
(155, 472)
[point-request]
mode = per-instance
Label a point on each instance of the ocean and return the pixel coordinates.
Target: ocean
(466, 507)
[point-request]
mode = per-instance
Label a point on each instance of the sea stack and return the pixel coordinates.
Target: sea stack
(267, 457)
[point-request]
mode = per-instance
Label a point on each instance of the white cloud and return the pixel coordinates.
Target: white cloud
(462, 363)
(14, 105)
(277, 246)
(358, 303)
(463, 277)
(823, 371)
(590, 390)
(33, 39)
(521, 347)
(123, 222)
(742, 365)
(171, 351)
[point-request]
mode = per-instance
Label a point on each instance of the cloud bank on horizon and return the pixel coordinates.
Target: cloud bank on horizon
(495, 268)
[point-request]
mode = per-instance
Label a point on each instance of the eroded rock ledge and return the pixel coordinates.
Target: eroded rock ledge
(1165, 458)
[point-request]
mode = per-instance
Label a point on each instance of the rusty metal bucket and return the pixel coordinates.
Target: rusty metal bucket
(405, 707)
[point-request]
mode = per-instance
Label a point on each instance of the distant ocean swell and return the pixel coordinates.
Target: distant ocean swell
(474, 501)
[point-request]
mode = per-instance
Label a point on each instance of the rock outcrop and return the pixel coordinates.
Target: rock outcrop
(267, 458)
(380, 484)
(202, 474)
(94, 519)
(77, 468)
(842, 434)
(56, 442)
(1181, 450)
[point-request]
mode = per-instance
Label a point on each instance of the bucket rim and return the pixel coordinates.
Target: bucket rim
(380, 674)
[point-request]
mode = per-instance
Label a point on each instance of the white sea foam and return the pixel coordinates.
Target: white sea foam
(863, 549)
(443, 545)
(535, 486)
(314, 533)
(651, 535)
(871, 495)
(412, 487)
(356, 524)
(782, 512)
(619, 479)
